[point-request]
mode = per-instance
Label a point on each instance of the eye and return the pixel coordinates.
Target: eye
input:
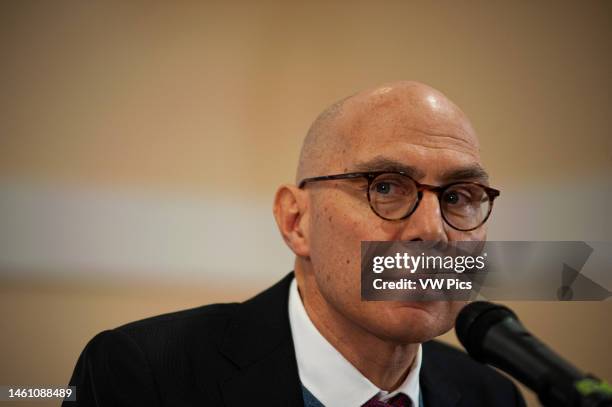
(383, 187)
(392, 186)
(454, 197)
(451, 197)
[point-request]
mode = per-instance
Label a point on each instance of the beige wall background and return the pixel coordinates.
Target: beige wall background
(142, 142)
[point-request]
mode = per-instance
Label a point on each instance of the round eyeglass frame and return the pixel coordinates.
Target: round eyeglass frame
(492, 193)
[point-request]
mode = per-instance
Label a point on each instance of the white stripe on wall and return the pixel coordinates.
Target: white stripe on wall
(117, 232)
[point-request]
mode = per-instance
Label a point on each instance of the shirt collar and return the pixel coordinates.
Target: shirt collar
(332, 379)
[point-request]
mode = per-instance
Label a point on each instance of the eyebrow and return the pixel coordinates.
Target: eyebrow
(472, 173)
(380, 163)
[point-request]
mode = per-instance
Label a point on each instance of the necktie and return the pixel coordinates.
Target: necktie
(399, 400)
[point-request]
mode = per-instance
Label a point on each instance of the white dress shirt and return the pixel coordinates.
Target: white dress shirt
(332, 379)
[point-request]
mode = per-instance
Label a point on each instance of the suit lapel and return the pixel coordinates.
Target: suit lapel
(258, 342)
(437, 389)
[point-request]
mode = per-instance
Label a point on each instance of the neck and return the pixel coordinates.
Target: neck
(384, 363)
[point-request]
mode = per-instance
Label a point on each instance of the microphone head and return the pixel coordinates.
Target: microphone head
(473, 323)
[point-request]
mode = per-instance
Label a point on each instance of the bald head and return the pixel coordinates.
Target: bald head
(405, 109)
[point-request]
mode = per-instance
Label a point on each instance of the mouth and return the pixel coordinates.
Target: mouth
(420, 305)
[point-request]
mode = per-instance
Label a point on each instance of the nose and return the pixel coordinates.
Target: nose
(426, 222)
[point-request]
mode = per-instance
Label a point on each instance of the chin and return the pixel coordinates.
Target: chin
(412, 322)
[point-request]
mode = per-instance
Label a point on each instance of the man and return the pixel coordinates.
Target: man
(311, 340)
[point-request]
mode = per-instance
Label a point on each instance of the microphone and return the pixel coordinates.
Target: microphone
(492, 334)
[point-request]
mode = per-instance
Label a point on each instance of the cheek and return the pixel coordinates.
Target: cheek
(335, 239)
(454, 235)
(335, 248)
(339, 222)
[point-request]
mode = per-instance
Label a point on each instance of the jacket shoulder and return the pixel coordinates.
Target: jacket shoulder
(158, 359)
(173, 342)
(181, 358)
(204, 321)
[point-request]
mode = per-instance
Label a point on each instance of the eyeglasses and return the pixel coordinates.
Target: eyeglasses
(393, 196)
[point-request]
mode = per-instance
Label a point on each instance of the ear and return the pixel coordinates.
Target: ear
(290, 205)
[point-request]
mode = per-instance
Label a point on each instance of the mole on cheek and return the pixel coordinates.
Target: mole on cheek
(329, 219)
(348, 261)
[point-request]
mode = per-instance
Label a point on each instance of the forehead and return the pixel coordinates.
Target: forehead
(428, 132)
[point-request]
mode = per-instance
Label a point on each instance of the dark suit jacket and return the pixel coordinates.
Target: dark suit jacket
(242, 354)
